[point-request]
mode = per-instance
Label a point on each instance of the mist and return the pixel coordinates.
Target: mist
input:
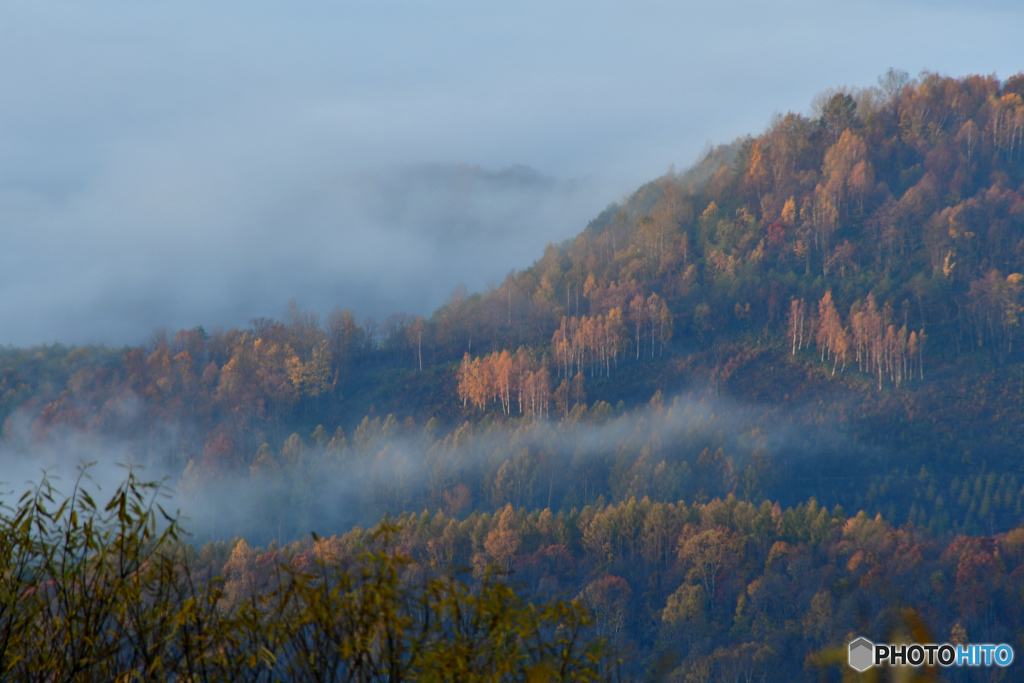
(693, 447)
(376, 240)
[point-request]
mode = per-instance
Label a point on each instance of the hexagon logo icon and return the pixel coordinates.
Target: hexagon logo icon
(862, 654)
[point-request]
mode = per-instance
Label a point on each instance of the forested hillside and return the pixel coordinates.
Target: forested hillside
(751, 409)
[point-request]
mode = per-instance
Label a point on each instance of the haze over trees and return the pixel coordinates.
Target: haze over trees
(752, 408)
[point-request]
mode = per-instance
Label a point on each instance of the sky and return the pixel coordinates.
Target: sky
(182, 164)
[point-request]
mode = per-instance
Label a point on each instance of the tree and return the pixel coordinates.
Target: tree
(562, 398)
(608, 598)
(660, 322)
(465, 378)
(837, 115)
(706, 553)
(797, 316)
(502, 371)
(450, 324)
(832, 338)
(638, 316)
(416, 335)
(537, 391)
(344, 337)
(579, 394)
(313, 378)
(687, 607)
(503, 541)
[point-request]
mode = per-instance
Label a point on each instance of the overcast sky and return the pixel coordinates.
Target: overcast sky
(196, 163)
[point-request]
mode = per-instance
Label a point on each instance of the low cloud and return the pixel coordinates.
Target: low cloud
(668, 452)
(131, 254)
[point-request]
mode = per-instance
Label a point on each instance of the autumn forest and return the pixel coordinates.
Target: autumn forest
(752, 410)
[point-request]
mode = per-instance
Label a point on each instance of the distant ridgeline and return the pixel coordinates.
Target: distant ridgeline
(860, 272)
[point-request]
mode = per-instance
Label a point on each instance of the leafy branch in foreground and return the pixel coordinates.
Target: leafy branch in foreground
(110, 593)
